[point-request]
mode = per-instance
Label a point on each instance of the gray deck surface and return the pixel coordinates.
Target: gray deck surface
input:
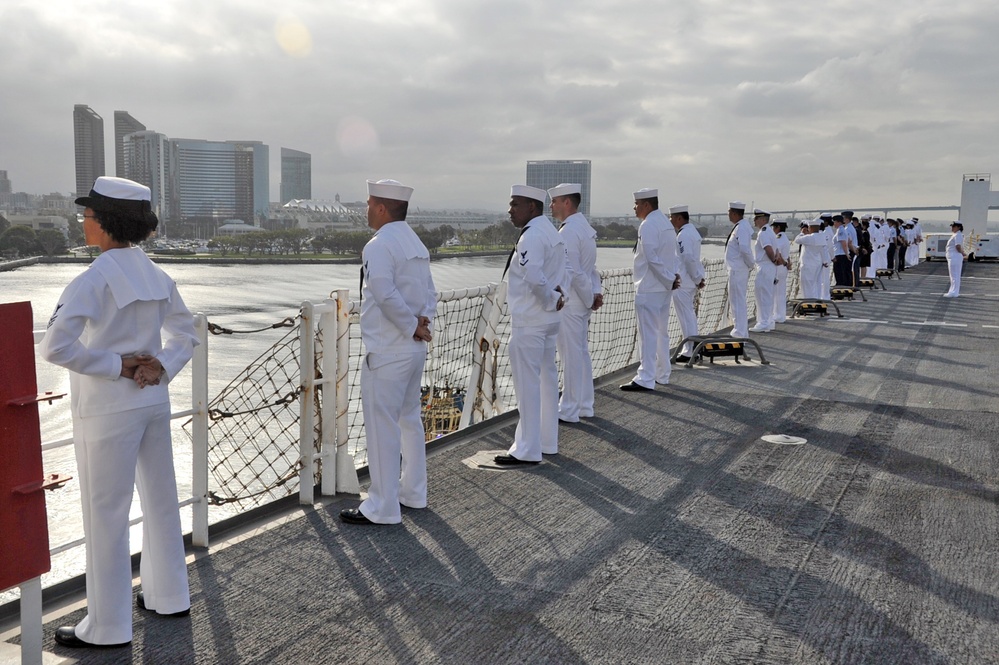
(666, 530)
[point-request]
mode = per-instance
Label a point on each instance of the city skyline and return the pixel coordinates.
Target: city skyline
(782, 104)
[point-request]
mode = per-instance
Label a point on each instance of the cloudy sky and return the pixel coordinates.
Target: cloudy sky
(786, 104)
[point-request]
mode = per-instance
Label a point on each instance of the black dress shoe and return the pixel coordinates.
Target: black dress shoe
(66, 636)
(635, 388)
(683, 359)
(510, 460)
(354, 516)
(140, 602)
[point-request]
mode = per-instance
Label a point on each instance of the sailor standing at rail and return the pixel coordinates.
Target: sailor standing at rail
(912, 237)
(841, 252)
(814, 257)
(397, 308)
(780, 286)
(655, 275)
(892, 239)
(585, 297)
(123, 332)
(739, 261)
(691, 272)
(538, 270)
(828, 229)
(767, 258)
(955, 259)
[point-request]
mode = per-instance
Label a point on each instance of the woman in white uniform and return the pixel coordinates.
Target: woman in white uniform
(123, 331)
(955, 259)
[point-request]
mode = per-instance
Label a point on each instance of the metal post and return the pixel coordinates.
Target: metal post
(307, 374)
(328, 326)
(199, 434)
(483, 334)
(31, 621)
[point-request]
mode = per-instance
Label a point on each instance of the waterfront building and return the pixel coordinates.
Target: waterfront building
(5, 186)
(296, 175)
(88, 142)
(547, 173)
(124, 124)
(41, 222)
(145, 159)
(217, 180)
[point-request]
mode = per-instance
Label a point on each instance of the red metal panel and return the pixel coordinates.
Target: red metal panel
(24, 534)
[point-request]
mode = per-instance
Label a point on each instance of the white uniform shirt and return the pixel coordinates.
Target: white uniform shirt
(688, 254)
(739, 248)
(398, 288)
(764, 238)
(120, 306)
(655, 256)
(783, 246)
(581, 248)
(840, 236)
(815, 249)
(957, 238)
(540, 264)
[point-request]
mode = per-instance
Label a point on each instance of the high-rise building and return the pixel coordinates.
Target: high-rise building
(217, 179)
(547, 173)
(296, 175)
(88, 141)
(124, 124)
(145, 159)
(5, 187)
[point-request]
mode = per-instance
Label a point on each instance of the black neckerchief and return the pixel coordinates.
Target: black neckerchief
(513, 251)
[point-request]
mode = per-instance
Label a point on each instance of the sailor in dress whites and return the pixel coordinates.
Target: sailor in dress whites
(585, 297)
(739, 261)
(655, 275)
(538, 271)
(398, 302)
(814, 256)
(842, 265)
(780, 287)
(123, 332)
(691, 272)
(766, 258)
(955, 259)
(828, 229)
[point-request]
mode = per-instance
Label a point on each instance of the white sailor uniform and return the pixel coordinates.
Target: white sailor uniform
(826, 273)
(780, 288)
(739, 261)
(654, 273)
(398, 289)
(580, 241)
(766, 275)
(814, 255)
(691, 271)
(955, 262)
(540, 265)
(123, 305)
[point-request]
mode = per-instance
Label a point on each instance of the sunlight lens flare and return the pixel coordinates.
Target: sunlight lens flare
(356, 137)
(293, 37)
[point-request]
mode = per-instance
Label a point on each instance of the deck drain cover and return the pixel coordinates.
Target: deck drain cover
(783, 439)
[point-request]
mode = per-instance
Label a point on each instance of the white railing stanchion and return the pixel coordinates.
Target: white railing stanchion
(307, 413)
(346, 472)
(199, 435)
(327, 414)
(483, 335)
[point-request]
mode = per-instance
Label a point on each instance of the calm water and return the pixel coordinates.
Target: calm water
(237, 297)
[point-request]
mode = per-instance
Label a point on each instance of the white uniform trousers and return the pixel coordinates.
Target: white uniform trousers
(114, 454)
(683, 305)
(738, 284)
(763, 290)
(390, 400)
(652, 313)
(577, 370)
(811, 275)
(955, 262)
(825, 282)
(780, 295)
(535, 382)
(912, 255)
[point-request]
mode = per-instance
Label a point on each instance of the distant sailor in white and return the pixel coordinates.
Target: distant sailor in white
(397, 309)
(585, 297)
(912, 235)
(740, 262)
(655, 275)
(955, 259)
(780, 287)
(691, 271)
(814, 257)
(828, 229)
(123, 331)
(766, 257)
(537, 272)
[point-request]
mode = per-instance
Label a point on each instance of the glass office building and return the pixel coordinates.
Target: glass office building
(547, 173)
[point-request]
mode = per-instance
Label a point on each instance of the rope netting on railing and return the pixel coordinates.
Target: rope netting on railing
(254, 435)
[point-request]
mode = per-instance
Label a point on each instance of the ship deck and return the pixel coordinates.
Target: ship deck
(666, 530)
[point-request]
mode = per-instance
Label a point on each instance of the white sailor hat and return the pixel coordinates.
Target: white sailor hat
(389, 189)
(736, 205)
(646, 193)
(866, 215)
(565, 189)
(111, 194)
(815, 222)
(677, 209)
(528, 192)
(825, 215)
(758, 211)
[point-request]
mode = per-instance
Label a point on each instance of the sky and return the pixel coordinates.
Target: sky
(781, 104)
